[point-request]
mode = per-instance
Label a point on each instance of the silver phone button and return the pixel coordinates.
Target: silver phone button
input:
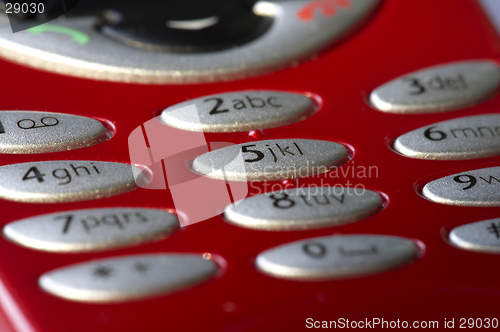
(271, 160)
(463, 138)
(304, 208)
(239, 111)
(127, 278)
(91, 229)
(65, 180)
(478, 187)
(332, 257)
(440, 88)
(41, 132)
(481, 236)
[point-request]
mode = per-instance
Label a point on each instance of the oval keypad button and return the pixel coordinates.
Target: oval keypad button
(439, 88)
(271, 160)
(332, 257)
(478, 236)
(480, 187)
(65, 180)
(91, 229)
(239, 111)
(462, 138)
(127, 278)
(41, 132)
(304, 208)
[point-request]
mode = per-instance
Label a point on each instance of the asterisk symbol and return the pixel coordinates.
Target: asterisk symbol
(103, 272)
(141, 267)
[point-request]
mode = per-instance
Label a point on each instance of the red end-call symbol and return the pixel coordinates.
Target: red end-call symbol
(327, 8)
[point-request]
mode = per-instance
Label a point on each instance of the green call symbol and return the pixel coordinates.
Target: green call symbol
(78, 36)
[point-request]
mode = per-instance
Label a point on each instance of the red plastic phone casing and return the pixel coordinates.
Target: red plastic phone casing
(443, 283)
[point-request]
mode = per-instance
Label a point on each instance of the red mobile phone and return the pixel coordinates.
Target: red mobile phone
(332, 164)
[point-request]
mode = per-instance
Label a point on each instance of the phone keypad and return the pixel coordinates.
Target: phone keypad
(271, 160)
(305, 276)
(127, 278)
(41, 132)
(439, 88)
(92, 229)
(66, 180)
(332, 257)
(462, 138)
(239, 111)
(481, 236)
(304, 208)
(478, 187)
